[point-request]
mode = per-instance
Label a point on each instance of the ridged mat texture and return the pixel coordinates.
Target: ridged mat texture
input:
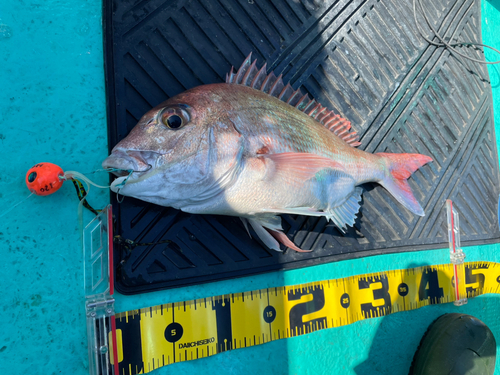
(363, 59)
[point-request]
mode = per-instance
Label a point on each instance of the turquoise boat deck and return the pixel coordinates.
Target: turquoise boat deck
(53, 109)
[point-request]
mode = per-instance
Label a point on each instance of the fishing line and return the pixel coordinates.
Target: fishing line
(81, 176)
(121, 184)
(73, 174)
(448, 45)
(111, 170)
(47, 178)
(69, 175)
(14, 206)
(77, 177)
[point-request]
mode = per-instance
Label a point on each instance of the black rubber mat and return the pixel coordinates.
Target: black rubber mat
(363, 59)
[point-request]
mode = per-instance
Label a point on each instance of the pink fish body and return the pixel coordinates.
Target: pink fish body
(254, 148)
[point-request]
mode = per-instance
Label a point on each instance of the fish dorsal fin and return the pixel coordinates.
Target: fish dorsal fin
(249, 75)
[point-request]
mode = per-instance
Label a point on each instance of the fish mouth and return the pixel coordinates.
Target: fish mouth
(121, 163)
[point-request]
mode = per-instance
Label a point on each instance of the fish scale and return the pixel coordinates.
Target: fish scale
(254, 147)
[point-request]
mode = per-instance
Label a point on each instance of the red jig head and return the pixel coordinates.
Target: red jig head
(44, 178)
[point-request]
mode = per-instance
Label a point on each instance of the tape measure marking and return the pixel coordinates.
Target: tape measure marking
(157, 336)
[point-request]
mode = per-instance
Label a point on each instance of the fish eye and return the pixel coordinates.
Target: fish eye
(174, 122)
(175, 118)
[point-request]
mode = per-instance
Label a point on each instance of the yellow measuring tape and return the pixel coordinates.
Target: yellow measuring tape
(157, 336)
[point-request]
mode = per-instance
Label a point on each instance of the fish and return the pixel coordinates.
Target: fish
(255, 148)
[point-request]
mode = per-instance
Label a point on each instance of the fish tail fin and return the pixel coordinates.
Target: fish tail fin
(400, 167)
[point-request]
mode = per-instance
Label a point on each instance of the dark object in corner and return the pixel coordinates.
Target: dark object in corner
(456, 344)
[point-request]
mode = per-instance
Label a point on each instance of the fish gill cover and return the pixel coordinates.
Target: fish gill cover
(366, 61)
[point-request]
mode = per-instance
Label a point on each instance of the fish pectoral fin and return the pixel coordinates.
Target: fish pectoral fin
(345, 213)
(300, 165)
(270, 232)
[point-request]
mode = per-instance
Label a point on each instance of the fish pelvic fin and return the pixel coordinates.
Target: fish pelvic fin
(250, 75)
(400, 167)
(282, 238)
(270, 232)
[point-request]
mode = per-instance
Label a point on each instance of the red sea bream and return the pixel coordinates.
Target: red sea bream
(255, 148)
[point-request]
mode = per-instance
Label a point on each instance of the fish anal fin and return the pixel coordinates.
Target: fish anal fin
(345, 213)
(342, 215)
(302, 166)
